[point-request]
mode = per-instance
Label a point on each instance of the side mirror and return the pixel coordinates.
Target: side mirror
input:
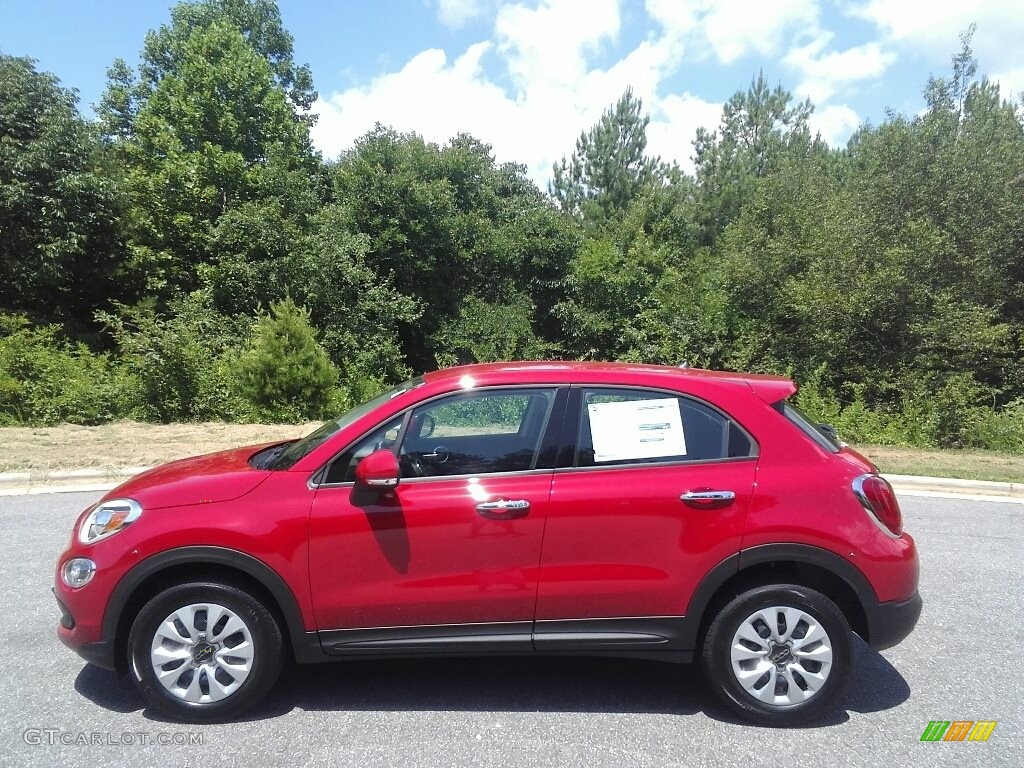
(379, 471)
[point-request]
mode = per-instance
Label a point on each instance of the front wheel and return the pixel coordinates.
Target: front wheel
(779, 655)
(204, 652)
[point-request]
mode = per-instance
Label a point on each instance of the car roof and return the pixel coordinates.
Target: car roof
(769, 388)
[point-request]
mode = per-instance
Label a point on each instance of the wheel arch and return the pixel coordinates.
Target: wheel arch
(810, 566)
(202, 563)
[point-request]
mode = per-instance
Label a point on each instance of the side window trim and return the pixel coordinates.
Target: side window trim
(567, 454)
(561, 392)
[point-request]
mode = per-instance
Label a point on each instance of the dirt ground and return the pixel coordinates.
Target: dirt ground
(969, 465)
(128, 443)
(133, 444)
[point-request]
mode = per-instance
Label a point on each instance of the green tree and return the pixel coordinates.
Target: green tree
(59, 239)
(209, 130)
(176, 366)
(164, 53)
(284, 371)
(759, 125)
(609, 166)
(444, 222)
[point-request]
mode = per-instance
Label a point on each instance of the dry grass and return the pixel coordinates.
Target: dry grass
(132, 444)
(968, 465)
(127, 443)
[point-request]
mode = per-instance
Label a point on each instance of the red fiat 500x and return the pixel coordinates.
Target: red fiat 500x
(519, 508)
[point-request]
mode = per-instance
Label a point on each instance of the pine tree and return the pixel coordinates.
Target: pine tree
(610, 165)
(284, 371)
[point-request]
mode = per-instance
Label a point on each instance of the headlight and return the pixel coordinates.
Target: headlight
(78, 572)
(107, 518)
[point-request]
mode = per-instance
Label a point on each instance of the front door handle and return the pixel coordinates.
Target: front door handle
(706, 498)
(504, 509)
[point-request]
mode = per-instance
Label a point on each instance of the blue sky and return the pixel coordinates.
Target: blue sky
(528, 76)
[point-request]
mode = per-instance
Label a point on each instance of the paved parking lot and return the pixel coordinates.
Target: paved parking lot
(963, 662)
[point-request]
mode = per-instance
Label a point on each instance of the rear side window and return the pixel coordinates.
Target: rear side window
(628, 426)
(807, 426)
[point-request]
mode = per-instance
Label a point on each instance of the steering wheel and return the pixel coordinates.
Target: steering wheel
(415, 464)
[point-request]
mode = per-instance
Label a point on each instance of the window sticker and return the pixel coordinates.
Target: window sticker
(636, 429)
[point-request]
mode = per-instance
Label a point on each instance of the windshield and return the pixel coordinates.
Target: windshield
(292, 452)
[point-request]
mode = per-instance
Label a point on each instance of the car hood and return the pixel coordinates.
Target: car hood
(220, 476)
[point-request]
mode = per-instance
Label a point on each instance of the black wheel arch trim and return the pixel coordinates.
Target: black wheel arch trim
(823, 558)
(303, 643)
(769, 553)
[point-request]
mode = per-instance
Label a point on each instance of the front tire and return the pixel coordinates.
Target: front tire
(779, 655)
(204, 652)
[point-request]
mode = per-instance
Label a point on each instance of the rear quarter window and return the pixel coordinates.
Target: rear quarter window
(807, 426)
(679, 429)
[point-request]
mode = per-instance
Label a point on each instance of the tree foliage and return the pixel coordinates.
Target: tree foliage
(283, 370)
(138, 254)
(59, 240)
(610, 166)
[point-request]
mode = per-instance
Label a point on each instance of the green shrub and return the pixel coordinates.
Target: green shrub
(177, 367)
(284, 372)
(46, 380)
(485, 332)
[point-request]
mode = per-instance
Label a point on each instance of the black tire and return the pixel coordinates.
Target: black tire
(718, 663)
(265, 666)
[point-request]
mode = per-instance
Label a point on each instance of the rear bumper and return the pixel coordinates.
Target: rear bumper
(889, 623)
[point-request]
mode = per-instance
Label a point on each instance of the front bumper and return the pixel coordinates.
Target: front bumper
(889, 623)
(100, 652)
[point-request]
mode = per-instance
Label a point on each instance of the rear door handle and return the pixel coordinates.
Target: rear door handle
(706, 498)
(504, 509)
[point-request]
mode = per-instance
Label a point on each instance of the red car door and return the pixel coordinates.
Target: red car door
(656, 495)
(456, 543)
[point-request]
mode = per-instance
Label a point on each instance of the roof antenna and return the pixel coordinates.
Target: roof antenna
(684, 364)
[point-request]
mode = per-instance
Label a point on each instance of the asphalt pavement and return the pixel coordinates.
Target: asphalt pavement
(962, 663)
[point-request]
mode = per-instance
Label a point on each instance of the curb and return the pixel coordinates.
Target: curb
(83, 480)
(65, 481)
(986, 486)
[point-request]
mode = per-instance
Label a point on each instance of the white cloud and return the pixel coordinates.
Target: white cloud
(835, 123)
(933, 27)
(455, 13)
(938, 21)
(555, 92)
(672, 128)
(533, 86)
(735, 28)
(549, 43)
(428, 95)
(1011, 82)
(826, 73)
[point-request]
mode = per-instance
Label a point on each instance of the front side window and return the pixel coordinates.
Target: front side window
(286, 456)
(476, 433)
(343, 468)
(628, 426)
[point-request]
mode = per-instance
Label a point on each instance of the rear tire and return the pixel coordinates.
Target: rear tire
(204, 652)
(779, 655)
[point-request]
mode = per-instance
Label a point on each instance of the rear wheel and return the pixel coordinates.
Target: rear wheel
(779, 654)
(204, 652)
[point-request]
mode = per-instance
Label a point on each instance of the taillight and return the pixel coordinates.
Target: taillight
(878, 498)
